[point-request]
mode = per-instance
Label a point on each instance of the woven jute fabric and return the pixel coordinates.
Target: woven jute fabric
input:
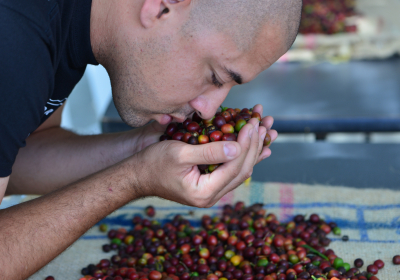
(370, 218)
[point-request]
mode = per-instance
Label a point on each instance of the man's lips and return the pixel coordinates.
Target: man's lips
(179, 119)
(166, 119)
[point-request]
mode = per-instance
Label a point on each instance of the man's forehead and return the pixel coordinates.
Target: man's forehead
(263, 28)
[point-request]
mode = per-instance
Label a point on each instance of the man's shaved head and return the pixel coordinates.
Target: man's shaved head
(168, 58)
(242, 20)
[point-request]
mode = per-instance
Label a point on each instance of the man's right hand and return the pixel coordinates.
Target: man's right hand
(169, 169)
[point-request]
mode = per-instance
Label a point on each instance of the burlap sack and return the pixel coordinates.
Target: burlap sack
(371, 219)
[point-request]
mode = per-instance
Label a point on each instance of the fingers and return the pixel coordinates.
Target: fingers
(274, 134)
(266, 152)
(249, 140)
(211, 153)
(267, 122)
(261, 133)
(249, 163)
(230, 171)
(259, 109)
(218, 197)
(231, 174)
(253, 153)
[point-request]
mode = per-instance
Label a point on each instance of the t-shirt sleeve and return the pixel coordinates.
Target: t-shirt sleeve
(25, 82)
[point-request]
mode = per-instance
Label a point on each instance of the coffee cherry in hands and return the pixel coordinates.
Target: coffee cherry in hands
(203, 139)
(267, 139)
(224, 126)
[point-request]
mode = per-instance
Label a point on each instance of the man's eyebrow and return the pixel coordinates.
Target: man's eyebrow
(234, 75)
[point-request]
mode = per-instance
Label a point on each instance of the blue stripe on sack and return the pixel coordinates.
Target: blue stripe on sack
(278, 205)
(257, 193)
(342, 223)
(362, 225)
(331, 204)
(364, 241)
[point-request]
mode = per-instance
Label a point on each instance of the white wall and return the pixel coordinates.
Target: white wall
(88, 102)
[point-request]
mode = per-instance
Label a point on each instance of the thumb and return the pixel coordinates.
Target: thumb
(212, 153)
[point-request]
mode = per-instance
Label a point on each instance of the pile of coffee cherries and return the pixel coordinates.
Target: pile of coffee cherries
(327, 16)
(224, 126)
(243, 243)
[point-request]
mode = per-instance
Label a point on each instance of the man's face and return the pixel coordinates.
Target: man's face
(166, 75)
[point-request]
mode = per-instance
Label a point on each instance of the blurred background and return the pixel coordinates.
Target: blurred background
(335, 97)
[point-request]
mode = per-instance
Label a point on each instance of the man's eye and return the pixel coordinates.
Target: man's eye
(215, 81)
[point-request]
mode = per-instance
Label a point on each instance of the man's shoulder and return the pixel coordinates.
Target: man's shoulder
(37, 12)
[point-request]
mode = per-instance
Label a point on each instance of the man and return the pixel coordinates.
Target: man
(166, 59)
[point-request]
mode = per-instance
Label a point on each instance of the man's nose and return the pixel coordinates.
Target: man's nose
(210, 102)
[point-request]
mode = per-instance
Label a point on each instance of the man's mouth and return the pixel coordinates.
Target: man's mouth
(165, 119)
(179, 119)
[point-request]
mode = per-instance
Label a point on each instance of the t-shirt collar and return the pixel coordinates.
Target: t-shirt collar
(82, 53)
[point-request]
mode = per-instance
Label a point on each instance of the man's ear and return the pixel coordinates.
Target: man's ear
(152, 10)
(149, 12)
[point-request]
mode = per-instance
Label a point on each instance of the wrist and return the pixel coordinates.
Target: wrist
(127, 144)
(138, 184)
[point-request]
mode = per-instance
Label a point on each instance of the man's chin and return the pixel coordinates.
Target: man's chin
(135, 122)
(162, 119)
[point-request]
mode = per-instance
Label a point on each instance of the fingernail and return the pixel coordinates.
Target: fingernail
(257, 126)
(230, 150)
(263, 135)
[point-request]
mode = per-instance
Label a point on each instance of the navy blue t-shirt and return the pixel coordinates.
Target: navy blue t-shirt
(44, 49)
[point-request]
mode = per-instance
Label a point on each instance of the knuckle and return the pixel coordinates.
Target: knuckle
(205, 200)
(176, 157)
(235, 172)
(248, 146)
(169, 144)
(201, 203)
(210, 155)
(248, 173)
(199, 200)
(179, 154)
